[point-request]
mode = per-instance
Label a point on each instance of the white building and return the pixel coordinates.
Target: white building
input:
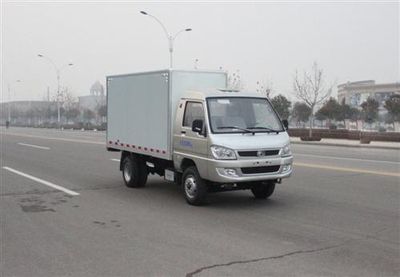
(355, 93)
(96, 98)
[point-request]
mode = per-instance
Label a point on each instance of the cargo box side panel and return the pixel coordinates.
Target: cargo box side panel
(138, 113)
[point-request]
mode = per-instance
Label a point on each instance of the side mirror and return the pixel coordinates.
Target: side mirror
(197, 126)
(285, 123)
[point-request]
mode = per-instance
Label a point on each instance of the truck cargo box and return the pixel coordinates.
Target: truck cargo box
(141, 107)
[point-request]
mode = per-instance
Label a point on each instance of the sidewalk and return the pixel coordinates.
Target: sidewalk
(348, 143)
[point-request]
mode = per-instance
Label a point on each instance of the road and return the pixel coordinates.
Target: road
(338, 215)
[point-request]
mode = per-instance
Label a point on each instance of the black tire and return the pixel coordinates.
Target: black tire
(194, 187)
(263, 190)
(134, 172)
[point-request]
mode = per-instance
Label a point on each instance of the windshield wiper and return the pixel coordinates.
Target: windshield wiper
(236, 127)
(266, 128)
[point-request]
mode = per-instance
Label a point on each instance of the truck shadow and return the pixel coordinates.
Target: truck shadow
(231, 199)
(240, 200)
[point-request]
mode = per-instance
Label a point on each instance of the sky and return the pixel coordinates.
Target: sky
(265, 42)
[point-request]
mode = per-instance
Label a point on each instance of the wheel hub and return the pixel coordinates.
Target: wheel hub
(127, 171)
(190, 186)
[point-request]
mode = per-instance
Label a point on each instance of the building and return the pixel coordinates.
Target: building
(95, 99)
(28, 112)
(355, 93)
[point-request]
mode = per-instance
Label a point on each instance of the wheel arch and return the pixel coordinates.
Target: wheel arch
(186, 162)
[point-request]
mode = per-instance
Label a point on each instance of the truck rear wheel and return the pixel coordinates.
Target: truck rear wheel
(263, 190)
(194, 187)
(134, 172)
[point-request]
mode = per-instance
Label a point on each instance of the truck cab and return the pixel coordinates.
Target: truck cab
(230, 140)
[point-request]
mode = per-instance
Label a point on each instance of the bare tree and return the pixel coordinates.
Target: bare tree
(69, 104)
(265, 88)
(312, 89)
(67, 99)
(234, 81)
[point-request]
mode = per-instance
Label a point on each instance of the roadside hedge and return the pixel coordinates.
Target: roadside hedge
(346, 134)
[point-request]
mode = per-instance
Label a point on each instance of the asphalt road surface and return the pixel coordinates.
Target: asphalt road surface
(65, 211)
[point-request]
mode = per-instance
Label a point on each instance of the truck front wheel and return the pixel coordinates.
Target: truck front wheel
(194, 187)
(263, 190)
(134, 172)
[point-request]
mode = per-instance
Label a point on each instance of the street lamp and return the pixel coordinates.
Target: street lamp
(58, 72)
(9, 99)
(170, 38)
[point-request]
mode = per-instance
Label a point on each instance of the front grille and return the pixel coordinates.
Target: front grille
(260, 169)
(264, 153)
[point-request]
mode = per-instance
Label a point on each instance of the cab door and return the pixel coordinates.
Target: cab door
(192, 144)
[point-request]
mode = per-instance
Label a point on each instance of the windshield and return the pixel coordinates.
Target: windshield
(241, 114)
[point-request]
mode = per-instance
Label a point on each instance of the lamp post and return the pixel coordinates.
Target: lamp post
(9, 99)
(170, 38)
(58, 73)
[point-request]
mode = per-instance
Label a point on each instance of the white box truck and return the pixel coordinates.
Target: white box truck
(187, 127)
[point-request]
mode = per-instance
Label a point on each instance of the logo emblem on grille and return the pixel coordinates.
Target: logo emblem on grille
(260, 153)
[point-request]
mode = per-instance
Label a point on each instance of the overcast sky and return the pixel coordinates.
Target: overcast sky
(266, 42)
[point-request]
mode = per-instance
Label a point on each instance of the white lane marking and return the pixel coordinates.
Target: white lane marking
(54, 138)
(115, 160)
(34, 146)
(343, 158)
(54, 186)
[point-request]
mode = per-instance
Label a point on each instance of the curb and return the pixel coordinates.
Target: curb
(346, 145)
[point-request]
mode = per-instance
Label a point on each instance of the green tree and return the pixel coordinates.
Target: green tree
(348, 112)
(370, 110)
(352, 113)
(331, 110)
(392, 105)
(282, 106)
(320, 115)
(343, 112)
(301, 112)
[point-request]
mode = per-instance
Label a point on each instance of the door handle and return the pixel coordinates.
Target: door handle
(183, 132)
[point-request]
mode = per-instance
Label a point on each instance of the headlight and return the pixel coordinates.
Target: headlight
(222, 153)
(286, 150)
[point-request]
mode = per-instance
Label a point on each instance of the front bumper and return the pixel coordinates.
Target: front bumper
(217, 169)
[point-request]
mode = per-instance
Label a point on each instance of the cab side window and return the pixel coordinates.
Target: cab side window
(193, 111)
